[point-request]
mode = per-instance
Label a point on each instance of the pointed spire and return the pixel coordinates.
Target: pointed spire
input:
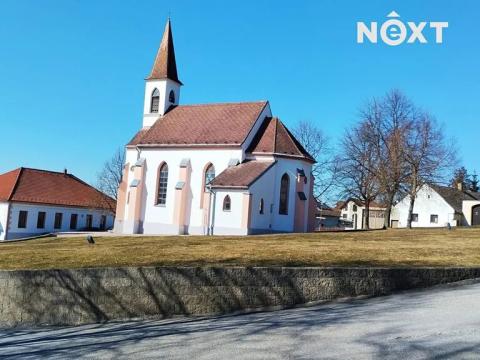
(165, 66)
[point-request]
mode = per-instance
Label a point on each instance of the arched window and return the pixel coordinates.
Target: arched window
(171, 96)
(284, 190)
(162, 184)
(209, 175)
(227, 203)
(261, 210)
(155, 101)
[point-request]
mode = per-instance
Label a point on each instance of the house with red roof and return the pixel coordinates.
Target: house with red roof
(222, 168)
(35, 202)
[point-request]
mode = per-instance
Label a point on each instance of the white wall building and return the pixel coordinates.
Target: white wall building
(438, 206)
(353, 215)
(35, 202)
(227, 168)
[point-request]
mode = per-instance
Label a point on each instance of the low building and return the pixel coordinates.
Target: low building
(439, 206)
(327, 218)
(35, 202)
(353, 215)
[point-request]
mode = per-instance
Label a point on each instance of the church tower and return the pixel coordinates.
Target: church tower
(162, 87)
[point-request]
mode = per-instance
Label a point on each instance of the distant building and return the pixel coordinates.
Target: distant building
(353, 215)
(439, 206)
(35, 202)
(327, 218)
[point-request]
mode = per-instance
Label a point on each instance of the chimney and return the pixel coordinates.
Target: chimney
(460, 186)
(65, 172)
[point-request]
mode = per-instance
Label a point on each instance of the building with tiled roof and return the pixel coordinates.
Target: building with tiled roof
(223, 168)
(34, 202)
(439, 206)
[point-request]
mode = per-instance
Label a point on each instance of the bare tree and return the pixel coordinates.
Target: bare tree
(388, 120)
(356, 164)
(109, 178)
(318, 145)
(427, 155)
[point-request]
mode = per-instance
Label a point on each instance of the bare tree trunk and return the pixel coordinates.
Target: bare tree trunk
(388, 213)
(367, 214)
(410, 211)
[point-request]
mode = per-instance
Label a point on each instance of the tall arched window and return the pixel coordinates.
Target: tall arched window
(155, 101)
(162, 184)
(209, 175)
(261, 210)
(171, 97)
(227, 203)
(284, 191)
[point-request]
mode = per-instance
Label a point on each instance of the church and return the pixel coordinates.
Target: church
(211, 169)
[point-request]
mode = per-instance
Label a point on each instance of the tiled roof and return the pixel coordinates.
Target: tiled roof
(455, 197)
(242, 175)
(165, 66)
(274, 138)
(7, 184)
(207, 124)
(53, 188)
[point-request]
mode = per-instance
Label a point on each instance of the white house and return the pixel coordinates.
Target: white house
(438, 206)
(228, 168)
(35, 202)
(353, 214)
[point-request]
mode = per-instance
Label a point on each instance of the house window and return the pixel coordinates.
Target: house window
(209, 175)
(22, 219)
(227, 204)
(344, 216)
(155, 101)
(284, 189)
(355, 208)
(162, 184)
(89, 222)
(41, 220)
(103, 222)
(434, 219)
(414, 217)
(171, 97)
(73, 221)
(58, 221)
(262, 205)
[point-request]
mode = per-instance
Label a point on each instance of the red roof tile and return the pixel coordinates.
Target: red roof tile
(207, 124)
(165, 66)
(53, 188)
(7, 184)
(274, 138)
(242, 175)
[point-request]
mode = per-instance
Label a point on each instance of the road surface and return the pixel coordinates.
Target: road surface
(441, 323)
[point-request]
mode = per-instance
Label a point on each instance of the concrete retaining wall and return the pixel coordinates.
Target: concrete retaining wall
(97, 295)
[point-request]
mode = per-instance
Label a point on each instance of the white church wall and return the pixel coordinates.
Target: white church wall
(15, 232)
(229, 222)
(159, 219)
(427, 203)
(3, 219)
(285, 223)
(263, 189)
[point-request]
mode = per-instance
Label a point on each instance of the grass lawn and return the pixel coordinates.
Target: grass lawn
(458, 247)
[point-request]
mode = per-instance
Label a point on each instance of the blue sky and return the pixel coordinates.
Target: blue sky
(71, 72)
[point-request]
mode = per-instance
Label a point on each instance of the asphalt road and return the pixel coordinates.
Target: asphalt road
(440, 323)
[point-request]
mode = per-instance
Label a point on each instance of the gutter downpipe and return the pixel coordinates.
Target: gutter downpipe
(211, 211)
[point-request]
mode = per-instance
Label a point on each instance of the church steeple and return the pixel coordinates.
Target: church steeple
(165, 66)
(162, 87)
